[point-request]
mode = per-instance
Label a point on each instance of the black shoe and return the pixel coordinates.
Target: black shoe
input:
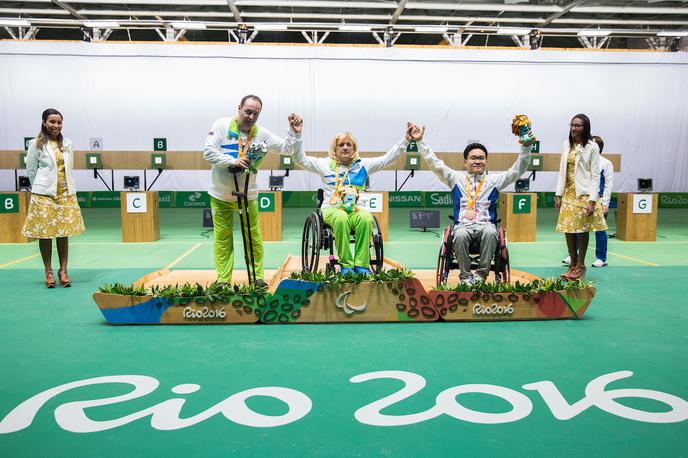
(260, 283)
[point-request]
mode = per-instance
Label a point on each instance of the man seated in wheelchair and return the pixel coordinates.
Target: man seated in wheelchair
(475, 192)
(344, 174)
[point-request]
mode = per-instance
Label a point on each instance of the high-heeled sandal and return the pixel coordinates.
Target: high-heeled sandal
(578, 274)
(49, 278)
(567, 275)
(64, 278)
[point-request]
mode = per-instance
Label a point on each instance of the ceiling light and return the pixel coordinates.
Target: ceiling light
(101, 24)
(513, 31)
(594, 33)
(188, 25)
(270, 26)
(354, 28)
(11, 22)
(431, 28)
(673, 33)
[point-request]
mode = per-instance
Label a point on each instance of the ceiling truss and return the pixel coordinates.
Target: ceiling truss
(655, 23)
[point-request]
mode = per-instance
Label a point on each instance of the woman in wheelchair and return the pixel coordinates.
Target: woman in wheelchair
(475, 192)
(344, 174)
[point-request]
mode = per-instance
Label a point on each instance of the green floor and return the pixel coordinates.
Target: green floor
(637, 323)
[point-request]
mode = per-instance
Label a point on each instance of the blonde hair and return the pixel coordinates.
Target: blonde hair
(339, 137)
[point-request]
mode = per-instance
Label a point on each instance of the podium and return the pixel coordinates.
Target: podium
(518, 212)
(636, 216)
(140, 216)
(14, 207)
(270, 214)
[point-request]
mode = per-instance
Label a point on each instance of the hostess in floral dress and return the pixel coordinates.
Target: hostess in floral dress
(51, 217)
(572, 215)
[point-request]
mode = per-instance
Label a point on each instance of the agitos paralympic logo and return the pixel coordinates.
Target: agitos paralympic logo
(166, 415)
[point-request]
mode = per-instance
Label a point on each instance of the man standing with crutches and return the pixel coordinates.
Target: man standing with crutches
(245, 222)
(227, 146)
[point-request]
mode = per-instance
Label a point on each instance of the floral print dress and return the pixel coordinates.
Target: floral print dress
(572, 218)
(51, 217)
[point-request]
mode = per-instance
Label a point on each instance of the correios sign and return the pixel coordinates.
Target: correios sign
(166, 415)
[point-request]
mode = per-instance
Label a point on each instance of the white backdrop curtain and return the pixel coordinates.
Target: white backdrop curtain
(130, 93)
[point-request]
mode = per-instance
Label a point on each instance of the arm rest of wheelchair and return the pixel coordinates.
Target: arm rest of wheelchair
(320, 197)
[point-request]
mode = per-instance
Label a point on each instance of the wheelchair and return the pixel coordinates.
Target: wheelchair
(318, 236)
(446, 260)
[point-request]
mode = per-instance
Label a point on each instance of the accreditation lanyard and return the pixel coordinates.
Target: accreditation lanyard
(474, 197)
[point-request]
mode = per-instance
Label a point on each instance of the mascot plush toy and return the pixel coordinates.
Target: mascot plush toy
(521, 127)
(348, 196)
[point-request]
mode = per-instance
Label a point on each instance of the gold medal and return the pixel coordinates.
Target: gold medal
(470, 214)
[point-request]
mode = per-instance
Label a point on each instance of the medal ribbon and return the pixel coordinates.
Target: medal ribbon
(242, 151)
(337, 184)
(235, 132)
(471, 199)
(337, 181)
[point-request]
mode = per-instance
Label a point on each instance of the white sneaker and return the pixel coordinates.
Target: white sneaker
(599, 263)
(566, 260)
(468, 281)
(478, 279)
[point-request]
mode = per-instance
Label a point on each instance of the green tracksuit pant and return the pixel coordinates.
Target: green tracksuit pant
(341, 223)
(223, 246)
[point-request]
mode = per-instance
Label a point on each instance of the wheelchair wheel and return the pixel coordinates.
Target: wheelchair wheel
(444, 258)
(502, 267)
(377, 258)
(310, 244)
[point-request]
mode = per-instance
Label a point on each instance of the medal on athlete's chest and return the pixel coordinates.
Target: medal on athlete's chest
(471, 198)
(339, 182)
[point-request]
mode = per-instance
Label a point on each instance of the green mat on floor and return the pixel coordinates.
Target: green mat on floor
(636, 323)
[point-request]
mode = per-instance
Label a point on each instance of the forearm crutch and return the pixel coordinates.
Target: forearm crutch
(242, 203)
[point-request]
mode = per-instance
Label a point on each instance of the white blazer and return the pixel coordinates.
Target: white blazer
(41, 166)
(586, 171)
